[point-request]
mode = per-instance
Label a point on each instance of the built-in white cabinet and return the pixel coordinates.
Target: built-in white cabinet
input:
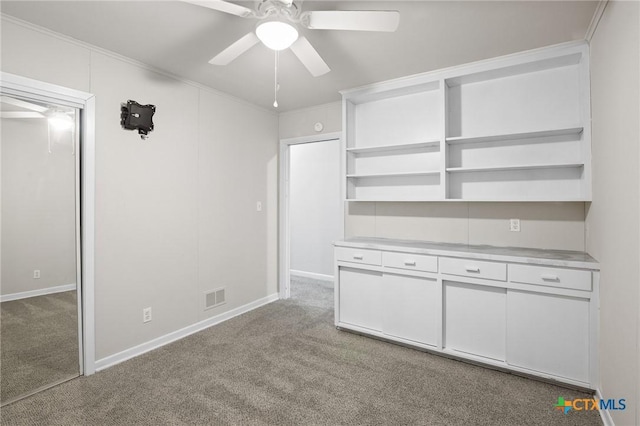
(389, 301)
(549, 333)
(525, 310)
(410, 308)
(361, 298)
(515, 128)
(475, 317)
(394, 148)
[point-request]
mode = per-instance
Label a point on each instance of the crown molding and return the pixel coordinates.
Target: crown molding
(595, 20)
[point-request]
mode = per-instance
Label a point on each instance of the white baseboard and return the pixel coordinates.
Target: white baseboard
(313, 275)
(40, 292)
(133, 352)
(607, 420)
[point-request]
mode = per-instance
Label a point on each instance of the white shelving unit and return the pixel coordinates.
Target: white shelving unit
(515, 136)
(393, 143)
(396, 147)
(515, 128)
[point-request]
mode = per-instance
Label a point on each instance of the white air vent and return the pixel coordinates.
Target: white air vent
(214, 298)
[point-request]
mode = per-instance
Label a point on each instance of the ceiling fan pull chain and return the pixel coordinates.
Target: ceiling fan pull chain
(275, 83)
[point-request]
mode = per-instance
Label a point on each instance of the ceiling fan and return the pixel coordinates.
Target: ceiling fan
(277, 24)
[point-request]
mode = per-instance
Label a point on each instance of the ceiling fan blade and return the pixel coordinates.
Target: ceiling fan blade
(355, 20)
(235, 50)
(223, 6)
(20, 114)
(309, 57)
(23, 104)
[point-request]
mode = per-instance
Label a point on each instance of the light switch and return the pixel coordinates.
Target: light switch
(514, 225)
(259, 206)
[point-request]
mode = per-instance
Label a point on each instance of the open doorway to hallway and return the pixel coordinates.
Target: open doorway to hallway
(313, 217)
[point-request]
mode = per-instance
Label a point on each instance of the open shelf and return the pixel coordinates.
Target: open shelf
(397, 147)
(513, 167)
(514, 128)
(400, 174)
(515, 136)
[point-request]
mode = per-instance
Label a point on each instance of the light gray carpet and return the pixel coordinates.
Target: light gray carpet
(286, 364)
(38, 343)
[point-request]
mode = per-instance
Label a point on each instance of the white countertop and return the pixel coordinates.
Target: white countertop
(562, 258)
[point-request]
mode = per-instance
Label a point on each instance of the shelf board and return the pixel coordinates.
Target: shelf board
(516, 136)
(516, 199)
(395, 200)
(474, 200)
(401, 174)
(513, 167)
(397, 147)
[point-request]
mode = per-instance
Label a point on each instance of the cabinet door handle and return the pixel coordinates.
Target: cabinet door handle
(410, 262)
(358, 256)
(472, 269)
(549, 277)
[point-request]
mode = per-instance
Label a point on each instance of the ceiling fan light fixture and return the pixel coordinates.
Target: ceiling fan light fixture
(60, 121)
(276, 35)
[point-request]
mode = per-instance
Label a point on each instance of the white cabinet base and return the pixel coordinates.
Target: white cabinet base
(549, 334)
(360, 302)
(475, 318)
(411, 309)
(508, 309)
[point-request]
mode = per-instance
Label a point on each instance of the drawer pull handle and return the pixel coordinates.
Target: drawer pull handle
(472, 269)
(358, 256)
(549, 277)
(410, 262)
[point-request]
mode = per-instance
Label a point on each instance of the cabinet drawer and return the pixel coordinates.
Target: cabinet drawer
(371, 257)
(474, 268)
(418, 262)
(551, 277)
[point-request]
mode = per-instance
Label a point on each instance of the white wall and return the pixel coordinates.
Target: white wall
(38, 207)
(613, 230)
(175, 215)
(314, 205)
(237, 166)
(300, 122)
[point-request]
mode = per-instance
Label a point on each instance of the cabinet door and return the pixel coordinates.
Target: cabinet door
(360, 298)
(475, 319)
(411, 308)
(549, 334)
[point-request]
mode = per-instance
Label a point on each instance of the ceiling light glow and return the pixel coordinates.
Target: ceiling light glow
(276, 35)
(60, 121)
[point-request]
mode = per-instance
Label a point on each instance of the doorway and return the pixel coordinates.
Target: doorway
(311, 211)
(46, 287)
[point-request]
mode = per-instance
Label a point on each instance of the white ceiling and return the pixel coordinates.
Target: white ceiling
(180, 38)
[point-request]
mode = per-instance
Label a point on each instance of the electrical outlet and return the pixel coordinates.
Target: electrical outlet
(146, 314)
(259, 206)
(514, 225)
(36, 274)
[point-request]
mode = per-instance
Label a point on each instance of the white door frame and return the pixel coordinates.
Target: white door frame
(284, 234)
(23, 87)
